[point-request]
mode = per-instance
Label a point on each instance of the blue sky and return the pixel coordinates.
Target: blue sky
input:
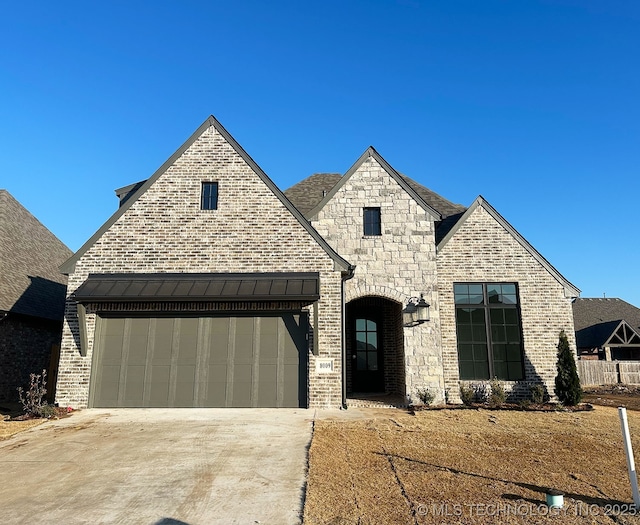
(533, 104)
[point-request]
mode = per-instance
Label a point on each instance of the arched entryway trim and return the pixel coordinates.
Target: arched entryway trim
(375, 346)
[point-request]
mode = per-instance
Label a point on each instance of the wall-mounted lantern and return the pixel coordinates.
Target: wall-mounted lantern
(416, 312)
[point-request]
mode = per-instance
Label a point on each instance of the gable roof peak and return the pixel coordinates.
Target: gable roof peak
(481, 202)
(366, 155)
(211, 122)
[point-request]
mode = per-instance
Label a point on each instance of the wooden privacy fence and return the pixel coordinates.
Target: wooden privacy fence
(594, 373)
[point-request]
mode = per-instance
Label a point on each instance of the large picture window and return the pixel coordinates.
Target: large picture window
(489, 331)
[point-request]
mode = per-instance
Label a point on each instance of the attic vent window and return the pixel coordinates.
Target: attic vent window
(372, 222)
(209, 199)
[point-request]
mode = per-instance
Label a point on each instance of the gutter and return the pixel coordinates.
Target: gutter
(345, 277)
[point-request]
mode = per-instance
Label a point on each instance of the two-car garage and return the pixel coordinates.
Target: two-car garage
(205, 340)
(249, 361)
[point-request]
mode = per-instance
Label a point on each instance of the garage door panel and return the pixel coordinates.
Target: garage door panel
(243, 348)
(138, 341)
(269, 327)
(241, 394)
(188, 340)
(217, 374)
(216, 394)
(207, 361)
(109, 384)
(218, 340)
(184, 397)
(163, 341)
(134, 386)
(159, 391)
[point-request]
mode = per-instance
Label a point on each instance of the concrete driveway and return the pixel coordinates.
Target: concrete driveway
(159, 466)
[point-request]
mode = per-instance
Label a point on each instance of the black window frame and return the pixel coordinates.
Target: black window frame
(208, 198)
(372, 221)
(489, 324)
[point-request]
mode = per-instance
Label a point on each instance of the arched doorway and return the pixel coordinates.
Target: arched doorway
(375, 346)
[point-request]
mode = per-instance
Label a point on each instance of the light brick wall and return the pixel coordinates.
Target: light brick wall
(166, 231)
(483, 251)
(399, 264)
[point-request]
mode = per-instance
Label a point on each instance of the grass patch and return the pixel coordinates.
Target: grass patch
(10, 428)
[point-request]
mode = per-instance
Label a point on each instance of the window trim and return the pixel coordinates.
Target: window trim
(487, 306)
(367, 226)
(211, 200)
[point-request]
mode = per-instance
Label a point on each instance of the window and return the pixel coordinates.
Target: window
(489, 331)
(366, 344)
(372, 224)
(209, 199)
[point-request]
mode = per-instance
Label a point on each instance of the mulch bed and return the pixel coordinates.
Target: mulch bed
(546, 407)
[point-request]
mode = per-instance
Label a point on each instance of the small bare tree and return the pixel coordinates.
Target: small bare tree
(33, 399)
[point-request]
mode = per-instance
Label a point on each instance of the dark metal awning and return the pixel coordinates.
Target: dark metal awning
(225, 287)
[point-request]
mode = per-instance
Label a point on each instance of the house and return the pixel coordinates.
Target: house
(211, 287)
(32, 297)
(607, 329)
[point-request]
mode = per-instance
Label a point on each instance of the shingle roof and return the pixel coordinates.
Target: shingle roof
(307, 194)
(444, 206)
(590, 311)
(30, 282)
(596, 318)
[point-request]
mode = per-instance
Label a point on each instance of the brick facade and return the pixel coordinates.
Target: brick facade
(165, 230)
(397, 265)
(25, 348)
(481, 250)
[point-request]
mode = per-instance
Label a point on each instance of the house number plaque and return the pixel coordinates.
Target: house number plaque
(324, 365)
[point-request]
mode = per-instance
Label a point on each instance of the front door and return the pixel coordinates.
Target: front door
(367, 357)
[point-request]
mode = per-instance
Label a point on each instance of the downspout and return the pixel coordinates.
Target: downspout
(345, 277)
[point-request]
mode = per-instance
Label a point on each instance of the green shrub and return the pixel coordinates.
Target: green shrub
(425, 395)
(524, 404)
(568, 387)
(482, 392)
(467, 394)
(497, 397)
(47, 411)
(538, 394)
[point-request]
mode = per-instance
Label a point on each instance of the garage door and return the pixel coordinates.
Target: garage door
(200, 362)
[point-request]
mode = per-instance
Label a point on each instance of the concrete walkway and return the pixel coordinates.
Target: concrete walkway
(159, 466)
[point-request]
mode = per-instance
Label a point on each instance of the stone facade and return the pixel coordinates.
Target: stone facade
(164, 230)
(397, 265)
(482, 250)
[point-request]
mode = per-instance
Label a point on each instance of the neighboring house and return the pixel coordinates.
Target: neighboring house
(210, 287)
(607, 329)
(32, 297)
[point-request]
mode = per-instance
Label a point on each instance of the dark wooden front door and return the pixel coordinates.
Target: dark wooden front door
(367, 356)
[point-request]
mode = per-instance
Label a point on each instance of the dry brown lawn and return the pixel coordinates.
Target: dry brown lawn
(470, 466)
(9, 428)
